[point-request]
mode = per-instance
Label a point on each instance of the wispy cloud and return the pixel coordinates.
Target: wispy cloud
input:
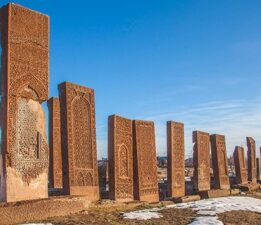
(235, 119)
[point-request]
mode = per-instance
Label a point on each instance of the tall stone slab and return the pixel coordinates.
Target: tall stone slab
(201, 160)
(258, 169)
(145, 162)
(120, 155)
(176, 159)
(24, 86)
(55, 145)
(240, 165)
(79, 155)
(251, 159)
(219, 161)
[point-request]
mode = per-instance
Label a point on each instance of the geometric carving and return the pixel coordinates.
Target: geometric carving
(251, 159)
(176, 159)
(145, 164)
(55, 161)
(120, 155)
(79, 155)
(240, 165)
(201, 160)
(219, 161)
(82, 128)
(24, 86)
(123, 162)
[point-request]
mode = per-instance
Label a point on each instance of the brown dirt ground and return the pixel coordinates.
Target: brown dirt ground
(111, 214)
(240, 218)
(100, 216)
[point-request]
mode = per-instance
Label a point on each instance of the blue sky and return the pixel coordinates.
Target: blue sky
(197, 62)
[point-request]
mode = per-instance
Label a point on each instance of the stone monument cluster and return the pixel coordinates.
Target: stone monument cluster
(69, 162)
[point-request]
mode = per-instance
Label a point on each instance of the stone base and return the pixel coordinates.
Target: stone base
(149, 198)
(123, 200)
(92, 193)
(235, 191)
(215, 193)
(249, 187)
(177, 192)
(17, 190)
(184, 199)
(36, 210)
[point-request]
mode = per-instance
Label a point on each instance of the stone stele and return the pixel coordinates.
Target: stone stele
(80, 168)
(201, 160)
(258, 169)
(120, 155)
(219, 161)
(240, 165)
(251, 159)
(176, 159)
(55, 168)
(24, 86)
(145, 162)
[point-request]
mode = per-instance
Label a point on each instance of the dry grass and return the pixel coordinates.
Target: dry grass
(100, 216)
(240, 218)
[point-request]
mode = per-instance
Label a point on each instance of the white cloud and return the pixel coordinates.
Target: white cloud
(235, 119)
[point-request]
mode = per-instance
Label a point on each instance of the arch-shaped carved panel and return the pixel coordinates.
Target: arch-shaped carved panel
(28, 81)
(123, 161)
(82, 136)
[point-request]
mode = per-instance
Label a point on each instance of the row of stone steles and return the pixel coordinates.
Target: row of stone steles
(132, 158)
(71, 163)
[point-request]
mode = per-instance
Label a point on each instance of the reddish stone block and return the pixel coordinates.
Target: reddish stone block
(240, 165)
(145, 162)
(176, 159)
(251, 159)
(80, 169)
(219, 161)
(55, 159)
(201, 160)
(120, 155)
(24, 86)
(258, 169)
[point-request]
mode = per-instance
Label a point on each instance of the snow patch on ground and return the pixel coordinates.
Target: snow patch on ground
(206, 220)
(145, 214)
(207, 209)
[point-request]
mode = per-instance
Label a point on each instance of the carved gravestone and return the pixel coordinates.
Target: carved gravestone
(55, 168)
(251, 159)
(219, 161)
(24, 86)
(258, 169)
(176, 159)
(79, 155)
(240, 165)
(120, 155)
(145, 162)
(201, 161)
